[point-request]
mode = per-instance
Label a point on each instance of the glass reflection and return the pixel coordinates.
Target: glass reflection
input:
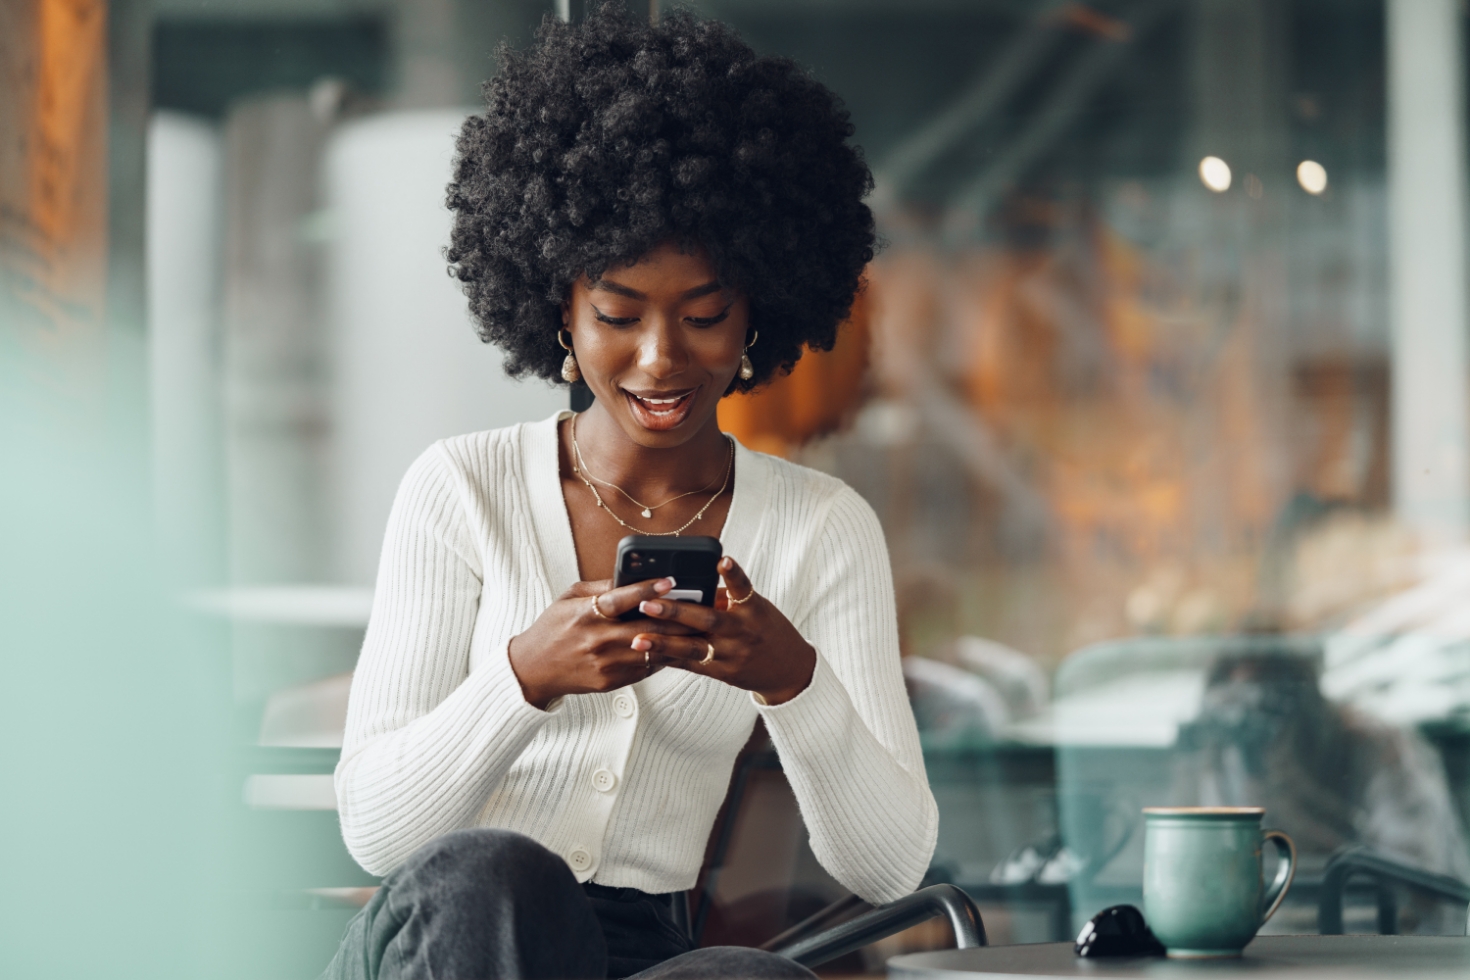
(1127, 388)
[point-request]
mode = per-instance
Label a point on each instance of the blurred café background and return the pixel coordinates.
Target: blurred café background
(1159, 387)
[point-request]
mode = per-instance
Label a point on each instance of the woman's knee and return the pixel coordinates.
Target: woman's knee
(481, 859)
(476, 903)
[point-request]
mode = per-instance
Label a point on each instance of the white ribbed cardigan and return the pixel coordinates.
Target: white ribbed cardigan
(624, 785)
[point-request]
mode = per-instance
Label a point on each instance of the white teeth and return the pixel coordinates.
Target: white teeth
(659, 401)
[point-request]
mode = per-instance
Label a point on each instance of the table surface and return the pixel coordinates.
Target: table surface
(1267, 957)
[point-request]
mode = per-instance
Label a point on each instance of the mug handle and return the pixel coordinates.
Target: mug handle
(1285, 872)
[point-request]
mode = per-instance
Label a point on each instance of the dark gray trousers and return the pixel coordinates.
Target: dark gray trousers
(490, 904)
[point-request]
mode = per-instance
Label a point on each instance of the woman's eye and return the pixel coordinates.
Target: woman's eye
(708, 321)
(616, 321)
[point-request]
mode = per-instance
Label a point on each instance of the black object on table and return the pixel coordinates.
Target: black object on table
(1117, 931)
(1265, 958)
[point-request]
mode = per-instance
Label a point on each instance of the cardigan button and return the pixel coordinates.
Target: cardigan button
(623, 705)
(603, 780)
(580, 859)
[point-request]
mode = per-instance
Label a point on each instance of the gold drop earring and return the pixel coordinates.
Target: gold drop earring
(570, 373)
(747, 369)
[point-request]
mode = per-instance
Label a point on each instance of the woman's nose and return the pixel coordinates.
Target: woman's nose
(660, 353)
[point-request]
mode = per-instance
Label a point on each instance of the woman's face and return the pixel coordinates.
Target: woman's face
(658, 342)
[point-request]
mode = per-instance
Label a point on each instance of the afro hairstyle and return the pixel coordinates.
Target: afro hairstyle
(607, 138)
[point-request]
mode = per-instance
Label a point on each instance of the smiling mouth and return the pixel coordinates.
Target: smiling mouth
(664, 412)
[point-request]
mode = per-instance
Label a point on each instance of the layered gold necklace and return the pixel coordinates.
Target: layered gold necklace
(587, 478)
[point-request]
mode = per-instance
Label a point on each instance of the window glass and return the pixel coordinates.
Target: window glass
(1157, 387)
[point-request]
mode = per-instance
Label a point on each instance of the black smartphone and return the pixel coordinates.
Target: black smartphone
(693, 562)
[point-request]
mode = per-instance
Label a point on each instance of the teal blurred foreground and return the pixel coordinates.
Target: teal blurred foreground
(114, 845)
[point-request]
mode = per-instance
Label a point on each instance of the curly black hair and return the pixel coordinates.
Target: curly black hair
(606, 138)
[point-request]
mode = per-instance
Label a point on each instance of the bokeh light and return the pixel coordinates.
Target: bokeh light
(1215, 174)
(1312, 176)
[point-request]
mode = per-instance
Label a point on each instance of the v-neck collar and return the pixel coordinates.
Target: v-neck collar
(541, 452)
(541, 456)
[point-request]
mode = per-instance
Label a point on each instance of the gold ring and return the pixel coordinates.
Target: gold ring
(599, 611)
(734, 601)
(709, 655)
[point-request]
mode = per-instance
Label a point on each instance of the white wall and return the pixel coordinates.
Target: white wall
(407, 366)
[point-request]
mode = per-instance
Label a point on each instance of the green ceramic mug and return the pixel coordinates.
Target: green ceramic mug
(1203, 894)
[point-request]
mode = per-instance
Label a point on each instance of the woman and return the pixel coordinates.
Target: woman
(669, 217)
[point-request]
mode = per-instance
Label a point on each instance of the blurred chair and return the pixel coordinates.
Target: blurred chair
(1329, 774)
(1243, 721)
(1113, 724)
(1361, 862)
(293, 837)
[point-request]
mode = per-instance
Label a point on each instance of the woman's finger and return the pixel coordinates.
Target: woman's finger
(614, 602)
(701, 618)
(666, 627)
(582, 589)
(737, 584)
(619, 664)
(620, 634)
(677, 651)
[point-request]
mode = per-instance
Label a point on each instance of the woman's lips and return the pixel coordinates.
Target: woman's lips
(661, 413)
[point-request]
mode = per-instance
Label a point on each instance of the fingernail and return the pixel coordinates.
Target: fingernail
(650, 608)
(725, 564)
(664, 584)
(641, 643)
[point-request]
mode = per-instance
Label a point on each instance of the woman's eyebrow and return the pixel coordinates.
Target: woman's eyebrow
(705, 290)
(612, 287)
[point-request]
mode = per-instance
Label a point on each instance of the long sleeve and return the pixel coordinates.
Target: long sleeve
(848, 742)
(427, 739)
(623, 784)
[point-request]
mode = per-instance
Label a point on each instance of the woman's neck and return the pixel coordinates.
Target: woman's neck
(609, 454)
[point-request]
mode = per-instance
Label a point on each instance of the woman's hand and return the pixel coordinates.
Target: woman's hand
(573, 648)
(755, 646)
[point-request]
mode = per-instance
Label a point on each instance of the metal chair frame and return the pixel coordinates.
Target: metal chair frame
(1362, 862)
(799, 944)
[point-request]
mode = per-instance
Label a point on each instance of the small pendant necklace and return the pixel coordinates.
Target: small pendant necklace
(581, 469)
(645, 509)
